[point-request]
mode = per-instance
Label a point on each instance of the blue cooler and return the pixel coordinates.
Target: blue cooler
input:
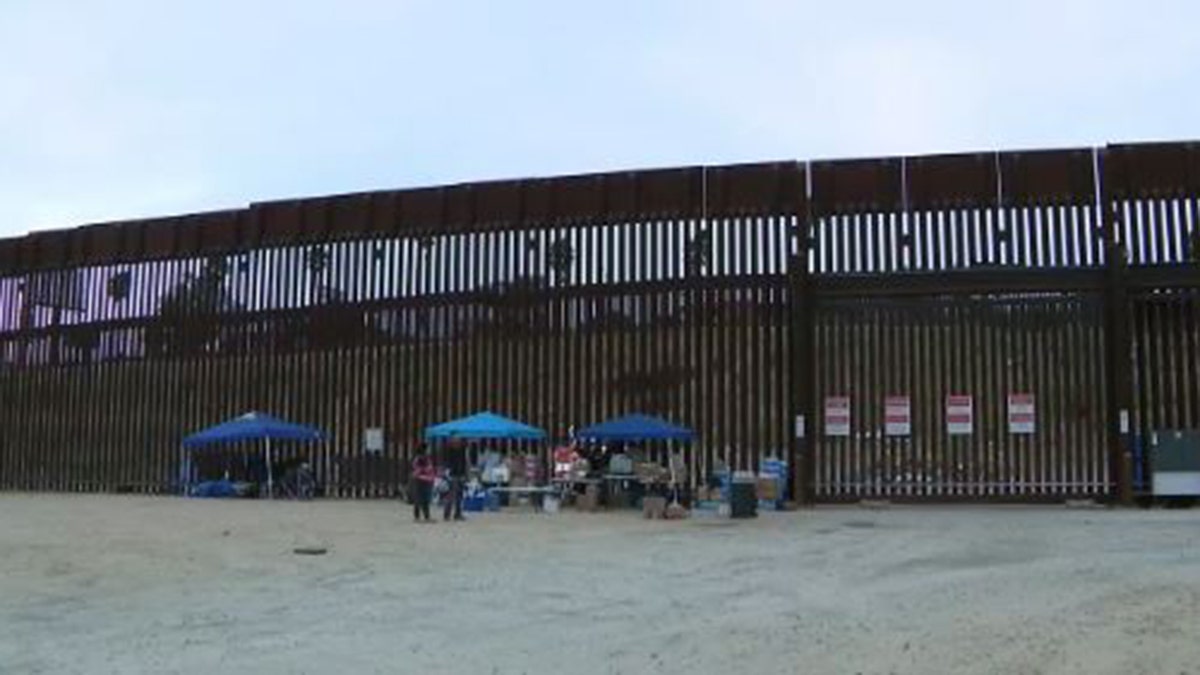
(725, 477)
(475, 503)
(778, 470)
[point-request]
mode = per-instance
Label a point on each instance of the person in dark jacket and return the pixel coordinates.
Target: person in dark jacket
(454, 463)
(421, 484)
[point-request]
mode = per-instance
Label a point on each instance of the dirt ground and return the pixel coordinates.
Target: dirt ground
(106, 584)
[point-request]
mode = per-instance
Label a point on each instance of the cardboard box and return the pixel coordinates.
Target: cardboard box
(650, 472)
(768, 489)
(676, 512)
(654, 507)
(589, 500)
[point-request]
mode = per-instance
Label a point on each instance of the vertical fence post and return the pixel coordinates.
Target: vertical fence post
(1117, 344)
(801, 325)
(800, 473)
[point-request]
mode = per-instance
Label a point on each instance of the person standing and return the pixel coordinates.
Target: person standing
(306, 482)
(421, 485)
(454, 461)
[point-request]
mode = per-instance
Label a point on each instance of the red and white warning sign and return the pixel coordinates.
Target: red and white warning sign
(897, 416)
(837, 415)
(960, 415)
(1022, 414)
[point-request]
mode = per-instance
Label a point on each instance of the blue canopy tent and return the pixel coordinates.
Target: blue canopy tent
(635, 427)
(254, 426)
(484, 426)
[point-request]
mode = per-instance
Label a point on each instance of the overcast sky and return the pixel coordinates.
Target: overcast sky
(131, 108)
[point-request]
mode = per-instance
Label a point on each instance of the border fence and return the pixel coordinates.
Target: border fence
(999, 325)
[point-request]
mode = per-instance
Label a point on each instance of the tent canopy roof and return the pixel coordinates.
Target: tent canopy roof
(635, 427)
(253, 426)
(484, 425)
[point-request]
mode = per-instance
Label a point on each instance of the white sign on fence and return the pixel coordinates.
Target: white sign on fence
(897, 416)
(1022, 415)
(960, 415)
(799, 426)
(837, 416)
(373, 440)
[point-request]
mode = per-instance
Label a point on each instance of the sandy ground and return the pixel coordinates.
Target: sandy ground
(163, 585)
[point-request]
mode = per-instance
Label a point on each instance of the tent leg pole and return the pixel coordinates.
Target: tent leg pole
(270, 477)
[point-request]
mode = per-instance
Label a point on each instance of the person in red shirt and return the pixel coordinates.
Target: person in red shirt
(421, 486)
